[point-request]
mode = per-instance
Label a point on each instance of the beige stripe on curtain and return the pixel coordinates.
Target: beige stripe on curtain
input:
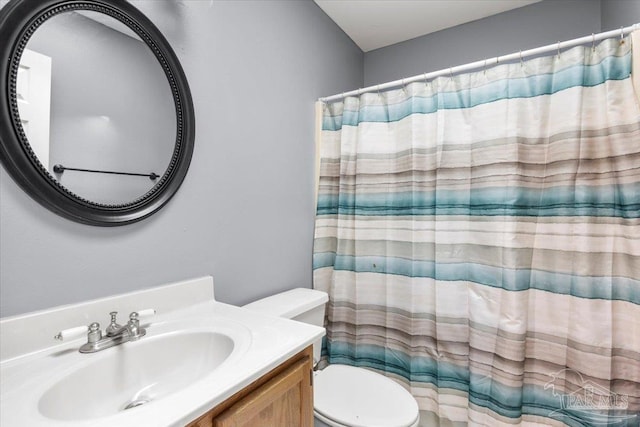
(635, 57)
(318, 138)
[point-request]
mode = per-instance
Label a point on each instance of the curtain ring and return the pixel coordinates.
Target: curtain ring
(451, 73)
(521, 60)
(485, 67)
(378, 90)
(593, 42)
(426, 81)
(621, 35)
(558, 49)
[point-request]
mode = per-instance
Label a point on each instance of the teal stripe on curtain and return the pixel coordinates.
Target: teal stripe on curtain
(510, 402)
(610, 68)
(610, 201)
(609, 287)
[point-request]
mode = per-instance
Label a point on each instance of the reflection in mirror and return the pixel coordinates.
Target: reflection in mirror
(92, 96)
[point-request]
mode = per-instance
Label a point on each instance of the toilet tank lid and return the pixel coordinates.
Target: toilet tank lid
(289, 304)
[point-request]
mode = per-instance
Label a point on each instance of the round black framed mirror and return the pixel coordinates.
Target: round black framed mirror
(97, 121)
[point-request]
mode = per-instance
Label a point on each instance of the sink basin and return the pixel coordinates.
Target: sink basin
(133, 374)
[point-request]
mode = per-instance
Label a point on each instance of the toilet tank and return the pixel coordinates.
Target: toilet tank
(301, 304)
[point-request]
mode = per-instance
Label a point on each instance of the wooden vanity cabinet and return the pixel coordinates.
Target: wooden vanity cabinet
(283, 397)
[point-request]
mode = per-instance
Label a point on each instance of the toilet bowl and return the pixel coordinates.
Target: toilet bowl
(344, 396)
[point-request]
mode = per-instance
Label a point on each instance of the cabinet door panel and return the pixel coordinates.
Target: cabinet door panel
(286, 400)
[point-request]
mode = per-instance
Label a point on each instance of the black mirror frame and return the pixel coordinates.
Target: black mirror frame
(18, 20)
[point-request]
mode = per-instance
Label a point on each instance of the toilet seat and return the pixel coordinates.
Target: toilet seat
(355, 397)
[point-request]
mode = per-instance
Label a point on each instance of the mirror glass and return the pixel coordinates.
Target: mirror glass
(93, 96)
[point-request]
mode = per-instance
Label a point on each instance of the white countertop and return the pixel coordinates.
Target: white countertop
(265, 343)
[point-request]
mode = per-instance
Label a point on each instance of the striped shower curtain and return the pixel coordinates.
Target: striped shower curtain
(479, 238)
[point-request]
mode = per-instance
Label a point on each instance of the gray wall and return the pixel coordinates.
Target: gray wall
(245, 211)
(619, 13)
(525, 28)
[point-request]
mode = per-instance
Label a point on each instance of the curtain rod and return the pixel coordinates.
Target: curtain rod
(491, 61)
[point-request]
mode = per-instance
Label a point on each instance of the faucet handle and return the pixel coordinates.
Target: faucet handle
(135, 331)
(144, 313)
(95, 334)
(71, 333)
(136, 316)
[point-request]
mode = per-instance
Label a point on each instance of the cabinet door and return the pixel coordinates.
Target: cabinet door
(285, 400)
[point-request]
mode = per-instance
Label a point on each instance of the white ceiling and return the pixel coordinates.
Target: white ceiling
(373, 24)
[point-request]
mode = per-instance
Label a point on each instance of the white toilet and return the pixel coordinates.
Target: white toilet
(344, 396)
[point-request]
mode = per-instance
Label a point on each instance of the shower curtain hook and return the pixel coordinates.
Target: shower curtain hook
(621, 35)
(450, 73)
(558, 49)
(378, 89)
(426, 81)
(521, 60)
(593, 42)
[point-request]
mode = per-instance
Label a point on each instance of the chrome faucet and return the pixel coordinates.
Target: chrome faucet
(115, 334)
